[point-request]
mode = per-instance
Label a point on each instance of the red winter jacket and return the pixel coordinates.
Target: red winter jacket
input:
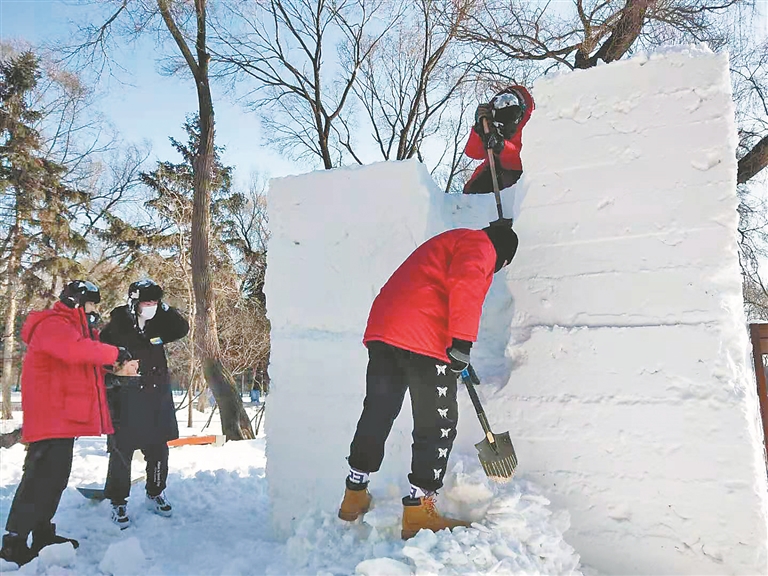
(436, 295)
(510, 156)
(62, 378)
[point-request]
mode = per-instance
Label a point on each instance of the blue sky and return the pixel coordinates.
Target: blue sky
(141, 103)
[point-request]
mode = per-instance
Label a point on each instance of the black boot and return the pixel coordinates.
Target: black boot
(15, 549)
(42, 537)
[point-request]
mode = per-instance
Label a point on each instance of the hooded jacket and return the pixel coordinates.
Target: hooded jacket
(62, 377)
(436, 295)
(510, 155)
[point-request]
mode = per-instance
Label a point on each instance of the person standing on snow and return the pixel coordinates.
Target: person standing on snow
(419, 335)
(63, 396)
(142, 407)
(506, 113)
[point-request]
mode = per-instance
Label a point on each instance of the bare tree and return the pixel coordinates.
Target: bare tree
(590, 30)
(282, 46)
(409, 86)
(185, 26)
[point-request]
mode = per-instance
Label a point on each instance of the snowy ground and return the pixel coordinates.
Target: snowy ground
(221, 523)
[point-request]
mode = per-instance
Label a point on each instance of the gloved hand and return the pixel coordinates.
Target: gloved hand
(123, 355)
(493, 139)
(473, 376)
(458, 354)
(483, 111)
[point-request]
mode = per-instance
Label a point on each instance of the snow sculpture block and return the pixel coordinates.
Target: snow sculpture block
(631, 392)
(614, 349)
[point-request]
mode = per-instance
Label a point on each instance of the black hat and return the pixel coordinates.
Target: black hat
(505, 241)
(145, 291)
(78, 292)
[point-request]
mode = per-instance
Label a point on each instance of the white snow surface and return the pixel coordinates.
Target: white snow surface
(614, 348)
(221, 525)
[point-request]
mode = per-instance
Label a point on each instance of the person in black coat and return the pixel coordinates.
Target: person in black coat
(142, 408)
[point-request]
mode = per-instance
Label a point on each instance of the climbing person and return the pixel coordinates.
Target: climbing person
(506, 115)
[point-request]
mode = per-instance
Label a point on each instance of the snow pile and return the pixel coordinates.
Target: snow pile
(613, 349)
(515, 533)
(124, 558)
(221, 526)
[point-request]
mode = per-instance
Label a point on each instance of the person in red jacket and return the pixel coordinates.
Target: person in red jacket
(420, 331)
(507, 113)
(63, 396)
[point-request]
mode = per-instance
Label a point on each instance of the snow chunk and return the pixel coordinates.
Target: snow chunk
(123, 558)
(57, 555)
(382, 567)
(6, 566)
(709, 159)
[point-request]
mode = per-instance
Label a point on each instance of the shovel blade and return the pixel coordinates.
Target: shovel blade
(91, 493)
(497, 458)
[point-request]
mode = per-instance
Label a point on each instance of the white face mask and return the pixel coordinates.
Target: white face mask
(148, 312)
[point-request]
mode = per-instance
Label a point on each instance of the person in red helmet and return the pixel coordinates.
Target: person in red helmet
(419, 335)
(507, 113)
(63, 396)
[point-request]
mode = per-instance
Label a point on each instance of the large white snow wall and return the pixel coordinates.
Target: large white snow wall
(614, 350)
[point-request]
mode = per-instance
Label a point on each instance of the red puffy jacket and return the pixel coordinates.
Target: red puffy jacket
(510, 156)
(62, 378)
(436, 295)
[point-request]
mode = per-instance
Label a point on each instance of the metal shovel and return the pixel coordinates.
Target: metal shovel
(496, 453)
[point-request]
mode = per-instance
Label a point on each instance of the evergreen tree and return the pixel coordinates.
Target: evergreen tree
(37, 209)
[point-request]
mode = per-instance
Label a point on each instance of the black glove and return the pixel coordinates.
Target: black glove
(483, 111)
(458, 354)
(123, 355)
(494, 139)
(473, 376)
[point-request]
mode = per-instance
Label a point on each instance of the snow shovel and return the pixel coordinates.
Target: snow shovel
(494, 177)
(97, 494)
(496, 453)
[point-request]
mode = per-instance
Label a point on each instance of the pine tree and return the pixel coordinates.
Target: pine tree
(36, 207)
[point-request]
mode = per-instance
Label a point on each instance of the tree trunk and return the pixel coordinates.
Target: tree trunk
(753, 161)
(192, 351)
(235, 423)
(9, 334)
(191, 384)
(622, 37)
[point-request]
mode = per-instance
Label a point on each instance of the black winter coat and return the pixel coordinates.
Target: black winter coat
(143, 412)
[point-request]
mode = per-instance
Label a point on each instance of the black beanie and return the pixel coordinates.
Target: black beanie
(504, 240)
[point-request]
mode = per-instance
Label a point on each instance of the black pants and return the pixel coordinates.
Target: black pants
(432, 387)
(46, 472)
(483, 183)
(118, 485)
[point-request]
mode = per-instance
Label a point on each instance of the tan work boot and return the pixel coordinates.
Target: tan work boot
(355, 504)
(424, 515)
